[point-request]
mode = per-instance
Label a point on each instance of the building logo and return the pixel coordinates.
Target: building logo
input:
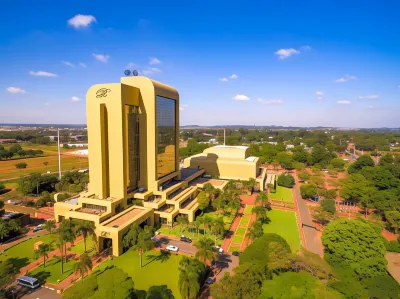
(102, 92)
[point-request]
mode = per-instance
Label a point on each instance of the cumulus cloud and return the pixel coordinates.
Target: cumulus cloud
(286, 53)
(67, 63)
(345, 78)
(82, 64)
(223, 79)
(233, 76)
(42, 74)
(268, 102)
(150, 71)
(75, 99)
(79, 21)
(101, 57)
(15, 90)
(319, 93)
(369, 97)
(154, 60)
(344, 102)
(241, 97)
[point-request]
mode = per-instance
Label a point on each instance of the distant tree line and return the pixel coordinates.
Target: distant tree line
(16, 151)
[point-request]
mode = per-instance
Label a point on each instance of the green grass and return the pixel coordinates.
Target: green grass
(52, 272)
(282, 193)
(234, 248)
(191, 234)
(284, 224)
(80, 248)
(244, 221)
(237, 239)
(155, 271)
(240, 231)
(247, 209)
(23, 253)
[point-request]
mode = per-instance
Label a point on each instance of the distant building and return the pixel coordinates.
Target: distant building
(76, 145)
(8, 140)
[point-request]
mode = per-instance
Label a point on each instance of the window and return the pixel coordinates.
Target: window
(166, 136)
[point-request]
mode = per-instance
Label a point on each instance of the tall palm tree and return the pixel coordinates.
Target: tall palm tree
(43, 251)
(60, 245)
(205, 250)
(144, 243)
(85, 229)
(218, 228)
(196, 225)
(49, 225)
(130, 239)
(261, 213)
(182, 221)
(83, 265)
(188, 284)
(262, 197)
(67, 230)
(255, 231)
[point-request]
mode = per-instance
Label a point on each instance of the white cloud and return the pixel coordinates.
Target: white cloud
(42, 74)
(154, 60)
(75, 99)
(15, 90)
(369, 97)
(81, 21)
(67, 63)
(82, 64)
(268, 102)
(344, 102)
(150, 71)
(241, 97)
(102, 58)
(233, 76)
(319, 93)
(345, 78)
(305, 48)
(223, 79)
(285, 53)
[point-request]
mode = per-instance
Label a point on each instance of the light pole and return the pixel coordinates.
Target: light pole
(59, 154)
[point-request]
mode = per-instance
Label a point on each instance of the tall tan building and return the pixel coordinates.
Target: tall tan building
(133, 135)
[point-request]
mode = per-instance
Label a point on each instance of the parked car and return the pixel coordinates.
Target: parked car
(38, 228)
(235, 253)
(210, 280)
(219, 249)
(186, 239)
(172, 248)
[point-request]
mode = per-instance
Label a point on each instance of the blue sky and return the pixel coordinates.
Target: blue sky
(298, 63)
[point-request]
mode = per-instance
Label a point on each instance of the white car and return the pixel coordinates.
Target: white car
(219, 249)
(172, 248)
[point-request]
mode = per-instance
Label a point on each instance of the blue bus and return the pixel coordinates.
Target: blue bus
(29, 282)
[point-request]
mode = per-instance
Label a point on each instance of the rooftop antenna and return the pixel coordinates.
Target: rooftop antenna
(59, 153)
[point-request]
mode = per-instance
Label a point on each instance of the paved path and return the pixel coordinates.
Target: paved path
(311, 236)
(27, 236)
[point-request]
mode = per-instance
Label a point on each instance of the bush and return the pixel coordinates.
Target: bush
(308, 191)
(286, 180)
(328, 205)
(82, 289)
(391, 246)
(383, 286)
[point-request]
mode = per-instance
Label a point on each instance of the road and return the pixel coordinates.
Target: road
(188, 248)
(313, 242)
(26, 293)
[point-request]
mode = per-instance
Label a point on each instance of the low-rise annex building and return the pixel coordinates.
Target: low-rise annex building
(133, 137)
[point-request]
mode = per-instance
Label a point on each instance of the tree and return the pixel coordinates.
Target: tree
(21, 165)
(203, 200)
(328, 205)
(192, 274)
(82, 289)
(218, 228)
(43, 251)
(2, 187)
(83, 265)
(45, 163)
(4, 231)
(393, 220)
(7, 274)
(85, 229)
(160, 292)
(144, 242)
(49, 225)
(66, 231)
(182, 221)
(255, 231)
(205, 250)
(286, 180)
(263, 198)
(261, 214)
(15, 148)
(354, 244)
(360, 163)
(355, 187)
(308, 191)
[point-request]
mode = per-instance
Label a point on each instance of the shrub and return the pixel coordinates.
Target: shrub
(328, 205)
(82, 289)
(286, 180)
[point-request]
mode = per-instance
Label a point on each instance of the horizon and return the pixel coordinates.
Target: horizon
(285, 65)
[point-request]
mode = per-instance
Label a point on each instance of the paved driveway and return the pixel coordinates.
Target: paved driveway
(163, 241)
(26, 293)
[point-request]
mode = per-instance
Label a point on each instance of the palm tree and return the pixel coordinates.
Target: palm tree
(144, 243)
(60, 245)
(205, 250)
(182, 221)
(255, 231)
(49, 225)
(84, 264)
(261, 213)
(67, 230)
(196, 225)
(85, 228)
(218, 228)
(262, 197)
(130, 239)
(43, 251)
(251, 184)
(188, 284)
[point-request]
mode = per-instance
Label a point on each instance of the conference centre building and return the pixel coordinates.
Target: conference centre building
(134, 166)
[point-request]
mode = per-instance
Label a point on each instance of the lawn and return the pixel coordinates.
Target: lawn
(191, 234)
(237, 239)
(284, 224)
(240, 231)
(247, 209)
(52, 272)
(22, 254)
(8, 169)
(244, 221)
(234, 248)
(158, 269)
(282, 193)
(80, 248)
